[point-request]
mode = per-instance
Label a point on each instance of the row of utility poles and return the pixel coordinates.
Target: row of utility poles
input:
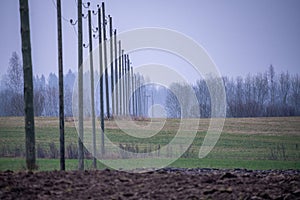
(123, 81)
(125, 92)
(122, 77)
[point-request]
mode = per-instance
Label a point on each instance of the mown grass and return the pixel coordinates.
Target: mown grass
(253, 143)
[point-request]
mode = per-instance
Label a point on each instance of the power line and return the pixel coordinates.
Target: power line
(65, 19)
(75, 31)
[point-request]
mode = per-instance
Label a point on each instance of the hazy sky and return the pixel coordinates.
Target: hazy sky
(240, 36)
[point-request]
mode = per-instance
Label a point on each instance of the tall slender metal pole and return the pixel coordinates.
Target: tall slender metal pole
(61, 89)
(105, 60)
(92, 88)
(101, 82)
(80, 89)
(116, 73)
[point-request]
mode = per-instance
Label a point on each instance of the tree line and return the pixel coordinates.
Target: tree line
(45, 91)
(265, 94)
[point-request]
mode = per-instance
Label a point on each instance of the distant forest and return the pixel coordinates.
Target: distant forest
(265, 94)
(261, 95)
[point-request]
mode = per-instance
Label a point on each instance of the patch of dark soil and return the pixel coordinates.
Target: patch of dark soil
(169, 183)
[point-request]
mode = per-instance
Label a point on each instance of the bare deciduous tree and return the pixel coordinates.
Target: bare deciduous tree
(14, 83)
(172, 105)
(272, 83)
(284, 85)
(295, 96)
(39, 95)
(180, 101)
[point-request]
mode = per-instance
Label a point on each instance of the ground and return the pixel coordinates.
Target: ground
(267, 146)
(162, 184)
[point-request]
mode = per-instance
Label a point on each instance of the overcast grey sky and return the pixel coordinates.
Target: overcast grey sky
(240, 36)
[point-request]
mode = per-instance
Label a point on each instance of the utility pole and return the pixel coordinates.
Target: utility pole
(123, 84)
(120, 76)
(152, 104)
(92, 88)
(142, 96)
(101, 82)
(61, 88)
(133, 91)
(128, 86)
(28, 86)
(111, 66)
(135, 94)
(80, 88)
(139, 96)
(141, 102)
(116, 73)
(105, 60)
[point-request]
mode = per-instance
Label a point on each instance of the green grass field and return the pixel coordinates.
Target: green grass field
(253, 143)
(18, 164)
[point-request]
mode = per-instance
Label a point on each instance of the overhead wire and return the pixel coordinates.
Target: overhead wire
(54, 4)
(65, 19)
